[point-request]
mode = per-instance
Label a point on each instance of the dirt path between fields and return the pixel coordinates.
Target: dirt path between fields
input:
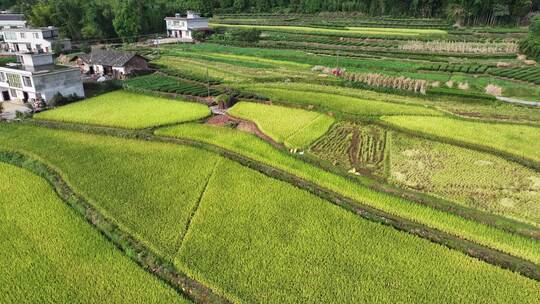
(243, 125)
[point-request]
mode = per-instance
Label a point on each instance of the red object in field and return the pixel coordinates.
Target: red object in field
(337, 72)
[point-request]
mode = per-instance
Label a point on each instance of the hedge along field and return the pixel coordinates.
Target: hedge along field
(265, 245)
(293, 127)
(520, 140)
(148, 189)
(339, 103)
(42, 240)
(127, 110)
(346, 30)
(259, 150)
(478, 180)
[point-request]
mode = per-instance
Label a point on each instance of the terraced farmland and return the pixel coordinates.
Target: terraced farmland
(283, 157)
(353, 147)
(51, 255)
(127, 110)
(201, 250)
(293, 127)
(520, 140)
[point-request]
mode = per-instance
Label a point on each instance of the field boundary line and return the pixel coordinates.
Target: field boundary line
(128, 245)
(467, 247)
(180, 241)
(305, 127)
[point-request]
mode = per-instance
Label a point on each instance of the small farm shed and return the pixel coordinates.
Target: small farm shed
(112, 63)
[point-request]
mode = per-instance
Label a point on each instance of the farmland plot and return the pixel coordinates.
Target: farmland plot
(353, 147)
(148, 189)
(263, 240)
(345, 31)
(474, 179)
(43, 241)
(293, 127)
(520, 140)
(339, 103)
(259, 150)
(127, 110)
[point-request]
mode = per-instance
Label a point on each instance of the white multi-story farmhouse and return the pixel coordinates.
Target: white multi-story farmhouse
(183, 27)
(37, 78)
(38, 40)
(12, 21)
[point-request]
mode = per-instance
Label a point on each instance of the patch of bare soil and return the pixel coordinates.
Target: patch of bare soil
(219, 120)
(242, 125)
(251, 127)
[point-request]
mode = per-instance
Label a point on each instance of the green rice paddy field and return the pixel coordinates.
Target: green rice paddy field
(127, 110)
(259, 150)
(294, 127)
(232, 242)
(50, 255)
(305, 212)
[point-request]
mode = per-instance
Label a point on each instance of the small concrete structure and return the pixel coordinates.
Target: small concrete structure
(36, 79)
(36, 40)
(112, 63)
(182, 28)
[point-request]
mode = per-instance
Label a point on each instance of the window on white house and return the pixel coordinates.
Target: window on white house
(13, 93)
(27, 81)
(2, 77)
(14, 80)
(21, 59)
(10, 35)
(23, 35)
(36, 35)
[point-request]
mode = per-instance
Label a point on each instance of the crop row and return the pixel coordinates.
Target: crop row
(456, 68)
(189, 76)
(327, 40)
(167, 84)
(530, 74)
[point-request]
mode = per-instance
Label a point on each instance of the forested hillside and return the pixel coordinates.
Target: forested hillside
(86, 19)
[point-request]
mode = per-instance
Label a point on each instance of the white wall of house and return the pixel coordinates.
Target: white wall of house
(178, 27)
(34, 40)
(16, 83)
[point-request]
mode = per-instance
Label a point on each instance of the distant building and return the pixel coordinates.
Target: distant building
(112, 63)
(183, 27)
(37, 78)
(12, 21)
(36, 40)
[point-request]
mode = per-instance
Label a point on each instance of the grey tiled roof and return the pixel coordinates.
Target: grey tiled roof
(108, 57)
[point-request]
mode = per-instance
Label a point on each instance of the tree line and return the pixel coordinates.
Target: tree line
(101, 19)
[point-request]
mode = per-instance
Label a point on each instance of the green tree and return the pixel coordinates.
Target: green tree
(127, 20)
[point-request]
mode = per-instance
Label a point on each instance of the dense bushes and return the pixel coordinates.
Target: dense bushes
(60, 100)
